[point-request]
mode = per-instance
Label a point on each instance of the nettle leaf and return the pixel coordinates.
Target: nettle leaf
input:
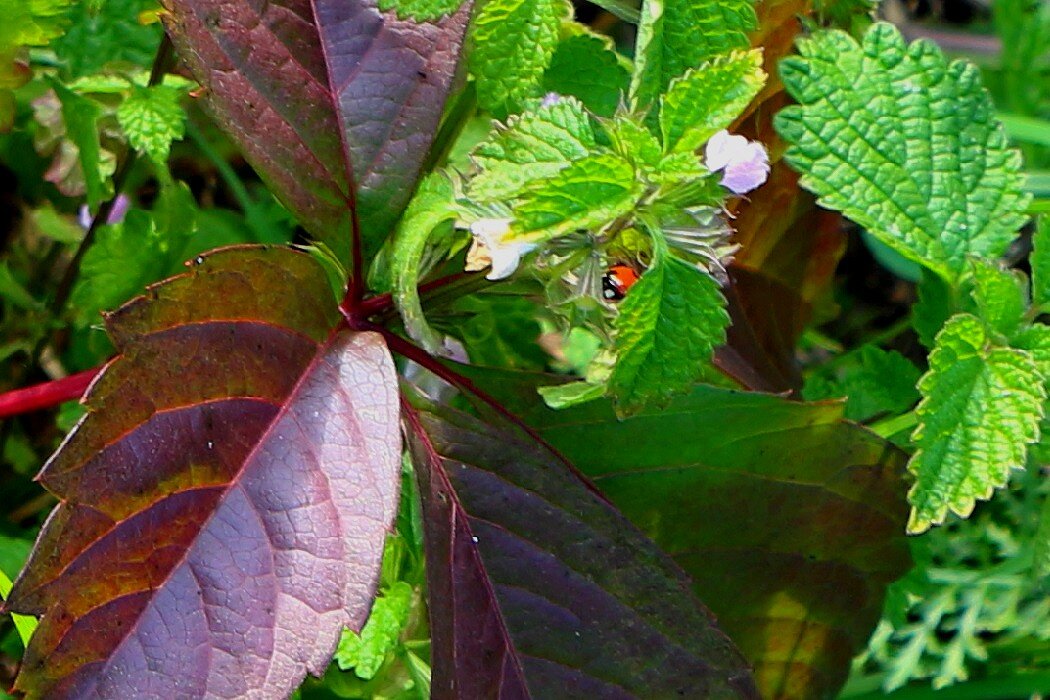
(878, 382)
(589, 193)
(366, 652)
(904, 143)
(1001, 296)
(666, 331)
(981, 409)
(152, 118)
(676, 35)
(787, 518)
(707, 99)
(1040, 262)
(431, 207)
(587, 66)
(532, 146)
(224, 502)
(101, 35)
(514, 42)
(539, 588)
(420, 9)
(365, 117)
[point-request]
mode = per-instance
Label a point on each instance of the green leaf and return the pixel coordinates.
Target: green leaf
(532, 146)
(81, 115)
(420, 9)
(676, 35)
(1040, 262)
(13, 291)
(514, 43)
(634, 141)
(904, 143)
(707, 99)
(152, 118)
(431, 207)
(366, 652)
(571, 394)
(667, 329)
(13, 553)
(1001, 296)
(1035, 340)
(980, 410)
(627, 10)
(936, 303)
(586, 66)
(498, 330)
(877, 383)
(591, 192)
(110, 34)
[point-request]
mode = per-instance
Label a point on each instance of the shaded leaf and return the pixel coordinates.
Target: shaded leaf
(941, 184)
(876, 382)
(365, 652)
(540, 589)
(587, 67)
(110, 33)
(981, 409)
(1040, 261)
(225, 500)
(80, 115)
(788, 518)
(379, 100)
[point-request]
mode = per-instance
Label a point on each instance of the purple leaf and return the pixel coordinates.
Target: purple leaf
(539, 588)
(225, 500)
(319, 94)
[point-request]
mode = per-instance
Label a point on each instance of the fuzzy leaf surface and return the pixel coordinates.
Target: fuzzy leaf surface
(363, 118)
(532, 146)
(222, 519)
(514, 43)
(981, 409)
(708, 98)
(152, 118)
(937, 182)
(540, 589)
(676, 35)
(668, 327)
(788, 519)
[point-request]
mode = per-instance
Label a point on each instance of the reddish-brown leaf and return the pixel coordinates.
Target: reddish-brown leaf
(322, 93)
(225, 500)
(540, 589)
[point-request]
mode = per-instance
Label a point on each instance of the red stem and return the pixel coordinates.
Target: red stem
(46, 395)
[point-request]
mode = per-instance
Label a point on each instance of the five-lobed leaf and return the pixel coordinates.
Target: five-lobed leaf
(786, 517)
(666, 331)
(514, 43)
(904, 143)
(981, 409)
(588, 193)
(540, 589)
(532, 146)
(676, 35)
(708, 98)
(224, 502)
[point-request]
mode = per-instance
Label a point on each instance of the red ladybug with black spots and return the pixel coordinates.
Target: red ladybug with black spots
(617, 280)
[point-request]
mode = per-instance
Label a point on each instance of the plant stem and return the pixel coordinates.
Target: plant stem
(889, 427)
(46, 395)
(161, 63)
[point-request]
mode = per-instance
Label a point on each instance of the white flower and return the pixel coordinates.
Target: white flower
(744, 164)
(490, 248)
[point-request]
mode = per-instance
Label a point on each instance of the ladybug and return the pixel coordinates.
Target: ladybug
(617, 280)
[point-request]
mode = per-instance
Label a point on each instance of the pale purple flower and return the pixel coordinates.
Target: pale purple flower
(503, 255)
(744, 164)
(550, 99)
(120, 209)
